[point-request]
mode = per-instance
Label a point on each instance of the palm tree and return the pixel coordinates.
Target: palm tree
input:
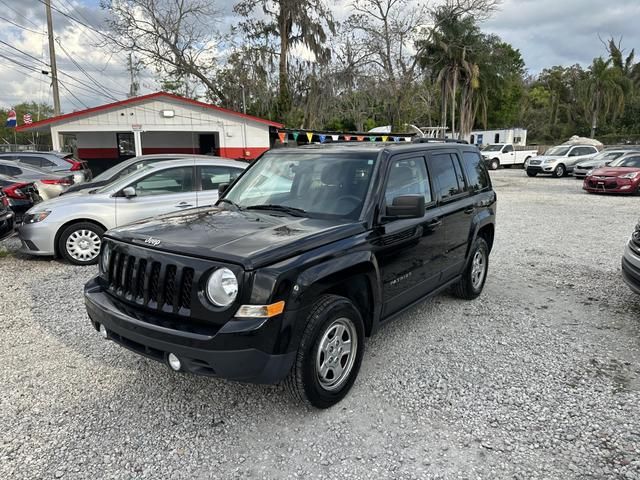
(605, 87)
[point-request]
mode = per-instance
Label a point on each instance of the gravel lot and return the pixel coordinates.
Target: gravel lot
(538, 378)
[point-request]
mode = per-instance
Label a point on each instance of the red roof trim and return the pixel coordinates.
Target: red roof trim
(151, 96)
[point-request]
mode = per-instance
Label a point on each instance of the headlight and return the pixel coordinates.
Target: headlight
(222, 287)
(105, 258)
(629, 175)
(36, 216)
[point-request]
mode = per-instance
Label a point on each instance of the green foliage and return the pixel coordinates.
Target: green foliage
(22, 138)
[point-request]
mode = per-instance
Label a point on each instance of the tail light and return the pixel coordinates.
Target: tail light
(4, 201)
(76, 165)
(13, 191)
(58, 181)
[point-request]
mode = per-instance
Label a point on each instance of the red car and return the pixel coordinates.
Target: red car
(620, 176)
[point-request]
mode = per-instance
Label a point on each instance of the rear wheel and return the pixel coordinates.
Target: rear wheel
(80, 242)
(475, 273)
(330, 353)
(560, 171)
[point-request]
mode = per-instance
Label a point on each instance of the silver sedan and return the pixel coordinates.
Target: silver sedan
(72, 225)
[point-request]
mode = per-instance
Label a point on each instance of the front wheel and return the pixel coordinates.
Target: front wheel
(559, 171)
(330, 353)
(495, 164)
(79, 243)
(475, 273)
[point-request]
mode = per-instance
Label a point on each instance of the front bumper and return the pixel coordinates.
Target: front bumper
(543, 168)
(610, 185)
(38, 238)
(631, 267)
(232, 352)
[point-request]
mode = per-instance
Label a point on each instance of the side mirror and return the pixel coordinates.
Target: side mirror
(222, 188)
(607, 163)
(406, 206)
(129, 192)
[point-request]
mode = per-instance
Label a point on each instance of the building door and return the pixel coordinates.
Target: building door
(126, 145)
(208, 144)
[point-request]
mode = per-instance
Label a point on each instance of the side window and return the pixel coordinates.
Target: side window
(11, 170)
(508, 148)
(443, 171)
(33, 161)
(212, 176)
(408, 177)
(476, 172)
(173, 180)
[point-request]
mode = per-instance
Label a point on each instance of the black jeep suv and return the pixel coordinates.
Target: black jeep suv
(308, 252)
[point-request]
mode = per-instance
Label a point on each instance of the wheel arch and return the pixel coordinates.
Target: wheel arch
(358, 281)
(62, 228)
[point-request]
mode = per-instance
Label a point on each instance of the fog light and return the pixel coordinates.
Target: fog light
(174, 362)
(103, 332)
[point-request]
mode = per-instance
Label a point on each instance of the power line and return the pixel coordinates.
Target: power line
(20, 26)
(18, 13)
(71, 93)
(23, 52)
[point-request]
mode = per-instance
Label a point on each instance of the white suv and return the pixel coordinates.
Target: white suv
(559, 161)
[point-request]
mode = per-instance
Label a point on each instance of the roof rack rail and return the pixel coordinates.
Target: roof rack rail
(438, 140)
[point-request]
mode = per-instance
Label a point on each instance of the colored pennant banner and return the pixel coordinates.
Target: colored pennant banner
(385, 138)
(295, 136)
(372, 139)
(360, 138)
(310, 136)
(347, 138)
(322, 138)
(335, 137)
(282, 136)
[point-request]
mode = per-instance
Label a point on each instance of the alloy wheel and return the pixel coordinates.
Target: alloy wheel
(336, 354)
(478, 268)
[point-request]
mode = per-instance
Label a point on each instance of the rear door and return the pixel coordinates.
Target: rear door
(456, 204)
(160, 192)
(210, 177)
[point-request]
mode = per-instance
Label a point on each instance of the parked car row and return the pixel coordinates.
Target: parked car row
(71, 226)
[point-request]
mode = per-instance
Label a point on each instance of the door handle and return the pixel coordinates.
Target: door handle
(434, 223)
(469, 210)
(184, 205)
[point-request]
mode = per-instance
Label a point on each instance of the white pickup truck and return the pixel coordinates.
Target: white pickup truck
(498, 154)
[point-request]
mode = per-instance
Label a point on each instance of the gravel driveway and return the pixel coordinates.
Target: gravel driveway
(538, 378)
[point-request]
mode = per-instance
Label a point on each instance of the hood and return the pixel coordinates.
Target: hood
(63, 201)
(546, 157)
(593, 163)
(250, 239)
(613, 171)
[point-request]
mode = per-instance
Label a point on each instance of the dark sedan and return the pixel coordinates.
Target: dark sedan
(6, 217)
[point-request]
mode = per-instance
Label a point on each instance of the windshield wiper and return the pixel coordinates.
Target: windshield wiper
(280, 208)
(230, 202)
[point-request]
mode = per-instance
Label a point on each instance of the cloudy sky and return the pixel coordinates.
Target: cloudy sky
(547, 32)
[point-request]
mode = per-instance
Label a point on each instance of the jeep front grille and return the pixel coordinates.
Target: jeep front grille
(151, 284)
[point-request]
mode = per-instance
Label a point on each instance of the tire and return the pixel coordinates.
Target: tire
(472, 282)
(560, 171)
(305, 382)
(73, 250)
(531, 174)
(525, 162)
(495, 164)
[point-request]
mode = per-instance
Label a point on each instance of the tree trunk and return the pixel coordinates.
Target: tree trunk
(284, 98)
(453, 103)
(594, 118)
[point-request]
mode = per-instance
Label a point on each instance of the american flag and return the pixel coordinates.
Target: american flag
(27, 119)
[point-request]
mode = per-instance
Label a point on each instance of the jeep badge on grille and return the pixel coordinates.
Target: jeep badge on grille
(152, 241)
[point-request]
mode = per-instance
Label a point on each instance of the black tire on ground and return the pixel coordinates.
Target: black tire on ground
(560, 171)
(532, 174)
(70, 243)
(475, 273)
(306, 383)
(495, 164)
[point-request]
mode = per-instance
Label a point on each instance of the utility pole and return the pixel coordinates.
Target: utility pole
(52, 59)
(134, 86)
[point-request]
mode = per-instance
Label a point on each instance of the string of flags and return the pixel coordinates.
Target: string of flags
(322, 138)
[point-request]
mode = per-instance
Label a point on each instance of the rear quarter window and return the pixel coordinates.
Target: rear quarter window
(477, 174)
